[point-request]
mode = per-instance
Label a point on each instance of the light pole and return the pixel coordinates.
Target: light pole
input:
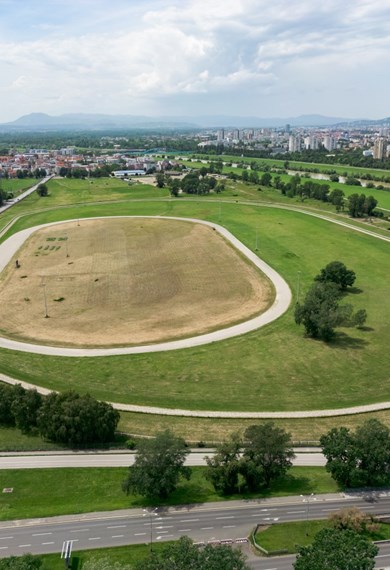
(298, 284)
(66, 246)
(151, 513)
(307, 500)
(257, 239)
(45, 299)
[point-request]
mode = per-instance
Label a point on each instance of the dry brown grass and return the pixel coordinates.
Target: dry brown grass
(127, 281)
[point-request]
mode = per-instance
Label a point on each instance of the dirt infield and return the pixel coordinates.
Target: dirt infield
(127, 282)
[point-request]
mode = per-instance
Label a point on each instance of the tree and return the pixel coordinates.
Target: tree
(158, 466)
(174, 187)
(25, 408)
(42, 190)
(224, 467)
(76, 419)
(25, 562)
(358, 458)
(160, 180)
(268, 454)
(184, 555)
(336, 272)
(337, 550)
(320, 312)
(266, 179)
(351, 518)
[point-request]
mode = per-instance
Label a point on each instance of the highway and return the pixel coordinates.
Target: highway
(227, 521)
(81, 459)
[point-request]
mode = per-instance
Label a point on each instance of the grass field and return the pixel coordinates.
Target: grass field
(16, 185)
(290, 536)
(241, 373)
(123, 554)
(275, 368)
(382, 196)
(127, 281)
(49, 492)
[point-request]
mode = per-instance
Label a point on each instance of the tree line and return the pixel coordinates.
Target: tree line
(67, 418)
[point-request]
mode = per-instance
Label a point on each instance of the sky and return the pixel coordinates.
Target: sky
(263, 58)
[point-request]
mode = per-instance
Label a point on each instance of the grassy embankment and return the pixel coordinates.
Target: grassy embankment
(49, 492)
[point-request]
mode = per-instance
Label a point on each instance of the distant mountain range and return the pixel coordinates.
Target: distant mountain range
(101, 122)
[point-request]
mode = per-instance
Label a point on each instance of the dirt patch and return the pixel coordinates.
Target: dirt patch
(127, 282)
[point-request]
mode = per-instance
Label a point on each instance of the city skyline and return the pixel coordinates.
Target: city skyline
(157, 58)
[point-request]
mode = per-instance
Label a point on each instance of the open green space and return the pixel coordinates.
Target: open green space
(341, 169)
(123, 554)
(50, 492)
(275, 368)
(16, 185)
(290, 536)
(382, 196)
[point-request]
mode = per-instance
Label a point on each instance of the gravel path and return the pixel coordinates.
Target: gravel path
(280, 305)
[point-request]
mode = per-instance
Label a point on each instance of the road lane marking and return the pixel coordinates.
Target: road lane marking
(294, 512)
(46, 543)
(184, 529)
(163, 532)
(24, 545)
(140, 534)
(118, 526)
(95, 538)
(81, 530)
(5, 537)
(230, 526)
(189, 520)
(207, 528)
(42, 533)
(118, 536)
(222, 518)
(3, 547)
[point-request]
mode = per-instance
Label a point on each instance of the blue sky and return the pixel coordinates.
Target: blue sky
(195, 57)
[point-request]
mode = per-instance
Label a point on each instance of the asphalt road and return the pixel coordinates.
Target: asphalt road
(48, 460)
(227, 521)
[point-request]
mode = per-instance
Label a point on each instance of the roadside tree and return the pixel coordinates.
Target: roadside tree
(224, 467)
(184, 555)
(159, 464)
(76, 419)
(334, 549)
(360, 458)
(268, 454)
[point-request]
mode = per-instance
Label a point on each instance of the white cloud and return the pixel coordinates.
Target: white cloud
(123, 56)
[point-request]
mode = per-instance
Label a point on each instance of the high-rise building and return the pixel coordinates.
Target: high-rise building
(380, 149)
(294, 143)
(329, 142)
(236, 135)
(311, 142)
(221, 134)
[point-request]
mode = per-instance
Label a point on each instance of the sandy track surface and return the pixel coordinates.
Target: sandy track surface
(281, 303)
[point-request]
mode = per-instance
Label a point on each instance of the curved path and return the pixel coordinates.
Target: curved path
(280, 305)
(241, 415)
(221, 415)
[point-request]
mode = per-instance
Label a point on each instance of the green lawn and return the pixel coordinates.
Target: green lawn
(49, 492)
(16, 185)
(274, 368)
(290, 536)
(123, 554)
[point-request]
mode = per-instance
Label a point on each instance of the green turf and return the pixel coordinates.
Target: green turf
(12, 439)
(49, 492)
(16, 185)
(123, 554)
(290, 536)
(274, 368)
